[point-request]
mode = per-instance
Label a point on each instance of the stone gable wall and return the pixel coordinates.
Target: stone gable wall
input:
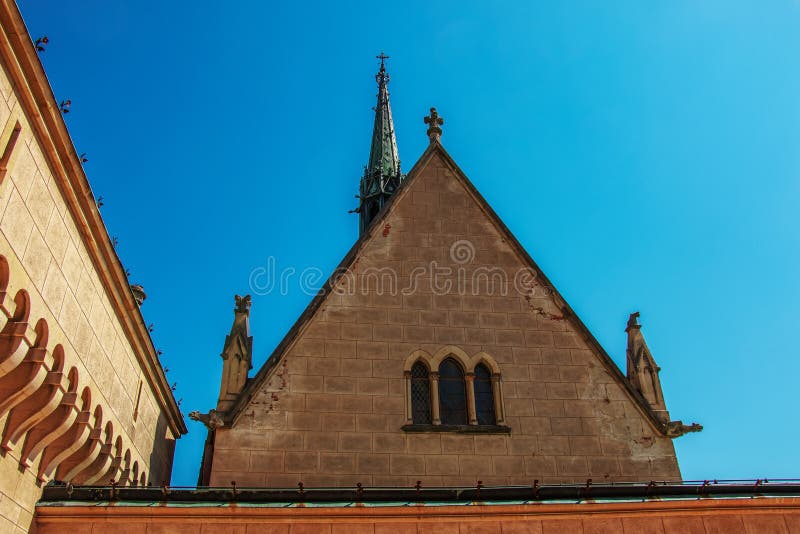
(331, 413)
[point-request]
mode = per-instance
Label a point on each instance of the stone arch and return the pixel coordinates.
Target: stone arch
(490, 363)
(451, 351)
(467, 364)
(486, 360)
(420, 356)
(417, 355)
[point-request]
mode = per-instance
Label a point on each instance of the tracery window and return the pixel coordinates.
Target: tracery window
(484, 397)
(420, 394)
(452, 394)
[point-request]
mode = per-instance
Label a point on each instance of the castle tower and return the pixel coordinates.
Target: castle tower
(382, 174)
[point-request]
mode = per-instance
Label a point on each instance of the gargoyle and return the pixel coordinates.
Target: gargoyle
(676, 429)
(212, 419)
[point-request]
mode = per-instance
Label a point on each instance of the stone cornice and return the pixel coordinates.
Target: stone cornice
(50, 131)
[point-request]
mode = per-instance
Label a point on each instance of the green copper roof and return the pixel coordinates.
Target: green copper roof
(383, 156)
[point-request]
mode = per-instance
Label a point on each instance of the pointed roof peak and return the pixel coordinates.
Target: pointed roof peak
(382, 174)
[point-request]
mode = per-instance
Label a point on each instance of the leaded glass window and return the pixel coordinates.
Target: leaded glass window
(484, 398)
(420, 394)
(452, 393)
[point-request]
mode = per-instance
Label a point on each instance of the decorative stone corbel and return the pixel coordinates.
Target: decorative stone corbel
(212, 419)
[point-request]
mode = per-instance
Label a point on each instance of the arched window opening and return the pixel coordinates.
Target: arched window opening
(484, 398)
(452, 393)
(420, 395)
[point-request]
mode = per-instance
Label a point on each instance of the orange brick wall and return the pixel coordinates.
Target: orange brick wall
(706, 516)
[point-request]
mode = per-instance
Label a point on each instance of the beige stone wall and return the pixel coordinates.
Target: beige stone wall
(332, 410)
(47, 258)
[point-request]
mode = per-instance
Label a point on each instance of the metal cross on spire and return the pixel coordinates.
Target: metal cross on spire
(382, 77)
(434, 121)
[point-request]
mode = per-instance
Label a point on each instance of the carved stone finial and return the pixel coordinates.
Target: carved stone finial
(676, 429)
(632, 321)
(138, 293)
(212, 420)
(242, 303)
(434, 121)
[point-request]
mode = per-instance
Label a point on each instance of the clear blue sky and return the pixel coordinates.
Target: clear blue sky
(647, 154)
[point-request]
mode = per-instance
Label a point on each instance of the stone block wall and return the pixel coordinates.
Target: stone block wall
(75, 402)
(332, 410)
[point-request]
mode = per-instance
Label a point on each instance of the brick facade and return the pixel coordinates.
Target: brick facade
(330, 409)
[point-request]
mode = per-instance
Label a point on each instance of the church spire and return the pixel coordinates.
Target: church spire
(382, 174)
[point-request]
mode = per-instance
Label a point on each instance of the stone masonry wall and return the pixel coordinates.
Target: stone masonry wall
(46, 257)
(332, 410)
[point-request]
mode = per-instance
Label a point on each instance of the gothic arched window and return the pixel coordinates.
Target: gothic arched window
(420, 394)
(452, 393)
(484, 398)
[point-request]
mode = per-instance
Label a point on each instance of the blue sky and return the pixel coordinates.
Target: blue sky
(645, 154)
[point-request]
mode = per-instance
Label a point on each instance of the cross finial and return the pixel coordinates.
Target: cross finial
(434, 121)
(382, 77)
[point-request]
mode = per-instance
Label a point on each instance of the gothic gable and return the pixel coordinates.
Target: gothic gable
(438, 280)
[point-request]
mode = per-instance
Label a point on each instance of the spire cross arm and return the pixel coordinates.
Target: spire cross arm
(382, 76)
(434, 121)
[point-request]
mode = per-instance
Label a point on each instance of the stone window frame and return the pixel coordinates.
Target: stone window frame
(468, 363)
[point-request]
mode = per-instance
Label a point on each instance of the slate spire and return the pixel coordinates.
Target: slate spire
(382, 174)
